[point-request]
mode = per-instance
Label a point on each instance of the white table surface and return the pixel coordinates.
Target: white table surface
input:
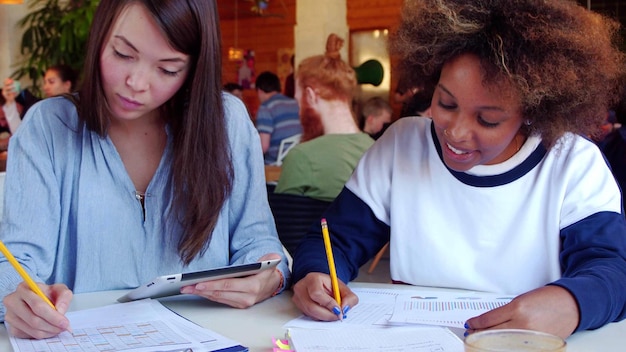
(254, 327)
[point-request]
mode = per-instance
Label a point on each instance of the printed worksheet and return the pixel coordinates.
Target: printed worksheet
(451, 310)
(139, 326)
(397, 307)
(374, 309)
(419, 339)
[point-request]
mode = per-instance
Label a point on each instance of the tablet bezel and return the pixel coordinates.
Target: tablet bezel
(170, 285)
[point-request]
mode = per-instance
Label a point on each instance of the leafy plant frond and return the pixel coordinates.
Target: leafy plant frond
(55, 32)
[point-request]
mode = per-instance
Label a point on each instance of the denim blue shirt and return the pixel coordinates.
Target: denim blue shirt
(71, 215)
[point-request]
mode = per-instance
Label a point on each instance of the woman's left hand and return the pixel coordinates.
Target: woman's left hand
(550, 309)
(240, 292)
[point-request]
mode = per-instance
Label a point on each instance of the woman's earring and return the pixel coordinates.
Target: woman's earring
(528, 122)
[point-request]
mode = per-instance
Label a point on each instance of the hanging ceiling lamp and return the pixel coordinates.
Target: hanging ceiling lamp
(234, 52)
(260, 6)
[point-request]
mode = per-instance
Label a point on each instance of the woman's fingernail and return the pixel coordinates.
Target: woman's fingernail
(336, 310)
(346, 309)
(466, 325)
(465, 333)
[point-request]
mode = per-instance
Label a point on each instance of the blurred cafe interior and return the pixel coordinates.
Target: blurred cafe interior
(264, 35)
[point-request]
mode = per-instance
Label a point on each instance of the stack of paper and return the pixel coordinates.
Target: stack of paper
(451, 310)
(421, 339)
(395, 320)
(139, 326)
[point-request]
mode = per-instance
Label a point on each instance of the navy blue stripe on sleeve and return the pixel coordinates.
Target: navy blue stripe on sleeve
(356, 236)
(593, 261)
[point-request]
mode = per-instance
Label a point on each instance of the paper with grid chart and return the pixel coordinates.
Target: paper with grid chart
(139, 326)
(397, 307)
(451, 310)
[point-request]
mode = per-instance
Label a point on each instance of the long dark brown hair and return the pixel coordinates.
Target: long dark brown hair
(202, 170)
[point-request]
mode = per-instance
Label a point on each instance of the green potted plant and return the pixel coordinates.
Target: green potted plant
(55, 32)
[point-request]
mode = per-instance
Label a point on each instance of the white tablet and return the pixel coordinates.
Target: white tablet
(169, 285)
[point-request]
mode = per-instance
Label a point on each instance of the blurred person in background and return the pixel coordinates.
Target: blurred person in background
(375, 114)
(332, 143)
(235, 89)
(58, 79)
(277, 117)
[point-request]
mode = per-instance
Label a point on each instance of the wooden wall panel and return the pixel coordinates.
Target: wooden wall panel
(265, 35)
(372, 14)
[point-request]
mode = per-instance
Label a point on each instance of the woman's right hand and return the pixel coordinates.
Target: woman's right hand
(29, 316)
(313, 295)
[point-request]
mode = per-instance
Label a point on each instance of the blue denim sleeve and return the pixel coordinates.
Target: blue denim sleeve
(251, 224)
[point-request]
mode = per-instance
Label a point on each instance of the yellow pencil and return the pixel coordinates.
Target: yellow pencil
(331, 263)
(33, 286)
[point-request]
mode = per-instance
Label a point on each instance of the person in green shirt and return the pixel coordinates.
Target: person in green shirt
(332, 143)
